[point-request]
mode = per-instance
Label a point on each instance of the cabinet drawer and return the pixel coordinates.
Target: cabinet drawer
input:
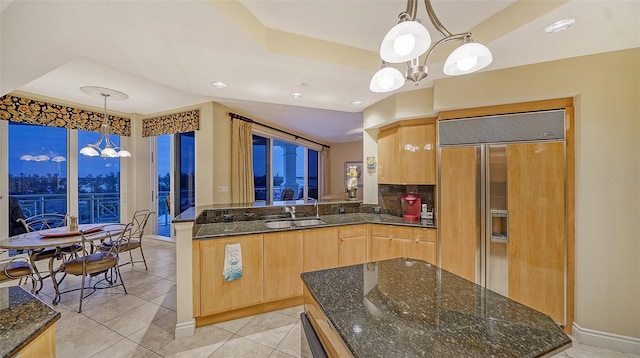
(352, 231)
(425, 234)
(381, 230)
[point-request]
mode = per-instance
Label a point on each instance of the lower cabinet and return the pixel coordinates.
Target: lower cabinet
(282, 265)
(216, 295)
(44, 345)
(272, 263)
(426, 245)
(320, 248)
(388, 242)
(352, 245)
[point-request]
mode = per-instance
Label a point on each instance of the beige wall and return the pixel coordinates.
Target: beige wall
(606, 97)
(338, 155)
(213, 155)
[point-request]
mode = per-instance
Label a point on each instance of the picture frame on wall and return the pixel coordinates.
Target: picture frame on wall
(358, 166)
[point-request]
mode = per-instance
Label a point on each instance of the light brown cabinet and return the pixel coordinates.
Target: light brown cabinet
(425, 245)
(407, 152)
(320, 248)
(352, 245)
(388, 156)
(389, 241)
(537, 246)
(458, 221)
(282, 265)
(272, 264)
(216, 294)
(44, 345)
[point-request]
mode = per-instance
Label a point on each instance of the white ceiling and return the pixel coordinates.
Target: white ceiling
(164, 54)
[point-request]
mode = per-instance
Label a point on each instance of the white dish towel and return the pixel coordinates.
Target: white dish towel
(232, 262)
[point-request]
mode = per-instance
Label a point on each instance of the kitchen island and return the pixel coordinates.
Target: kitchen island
(27, 325)
(410, 308)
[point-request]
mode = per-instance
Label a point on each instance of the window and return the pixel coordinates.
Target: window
(39, 162)
(284, 170)
(37, 171)
(261, 167)
(98, 184)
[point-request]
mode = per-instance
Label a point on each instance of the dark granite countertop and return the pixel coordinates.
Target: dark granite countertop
(22, 318)
(206, 231)
(410, 308)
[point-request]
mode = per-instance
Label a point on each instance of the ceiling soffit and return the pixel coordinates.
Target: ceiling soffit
(290, 44)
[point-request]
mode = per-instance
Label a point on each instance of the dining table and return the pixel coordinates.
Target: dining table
(57, 238)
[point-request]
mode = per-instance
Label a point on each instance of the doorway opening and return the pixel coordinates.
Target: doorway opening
(175, 173)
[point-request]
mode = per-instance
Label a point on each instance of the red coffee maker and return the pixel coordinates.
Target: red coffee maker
(411, 205)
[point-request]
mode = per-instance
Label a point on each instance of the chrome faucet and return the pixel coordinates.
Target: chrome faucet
(290, 210)
(315, 203)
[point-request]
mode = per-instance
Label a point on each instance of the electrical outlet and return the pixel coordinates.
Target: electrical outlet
(223, 189)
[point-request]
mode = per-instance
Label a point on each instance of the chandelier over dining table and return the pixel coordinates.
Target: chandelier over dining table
(409, 39)
(110, 150)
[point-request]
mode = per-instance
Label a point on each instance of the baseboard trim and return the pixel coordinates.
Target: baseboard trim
(161, 240)
(606, 340)
(185, 329)
(249, 311)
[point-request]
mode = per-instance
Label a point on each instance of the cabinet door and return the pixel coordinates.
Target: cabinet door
(352, 251)
(537, 246)
(282, 265)
(401, 248)
(379, 248)
(352, 246)
(320, 249)
(458, 217)
(218, 295)
(426, 246)
(388, 156)
(384, 248)
(418, 154)
(426, 251)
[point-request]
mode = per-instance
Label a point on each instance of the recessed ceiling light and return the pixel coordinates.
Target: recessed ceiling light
(218, 84)
(295, 94)
(560, 25)
(357, 103)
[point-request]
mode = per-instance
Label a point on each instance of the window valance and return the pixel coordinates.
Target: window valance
(25, 110)
(182, 122)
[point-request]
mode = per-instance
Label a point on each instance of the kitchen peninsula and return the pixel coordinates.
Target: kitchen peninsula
(27, 325)
(410, 308)
(273, 258)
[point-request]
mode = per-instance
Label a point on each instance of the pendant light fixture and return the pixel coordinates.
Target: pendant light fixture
(409, 39)
(109, 150)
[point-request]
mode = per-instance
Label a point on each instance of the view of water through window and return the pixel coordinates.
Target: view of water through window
(38, 169)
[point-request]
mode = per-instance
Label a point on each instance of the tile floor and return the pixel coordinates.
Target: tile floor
(141, 323)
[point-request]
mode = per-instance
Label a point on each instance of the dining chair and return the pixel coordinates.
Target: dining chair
(43, 222)
(89, 264)
(287, 194)
(138, 226)
(17, 268)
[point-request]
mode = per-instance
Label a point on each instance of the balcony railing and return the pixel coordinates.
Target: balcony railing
(92, 207)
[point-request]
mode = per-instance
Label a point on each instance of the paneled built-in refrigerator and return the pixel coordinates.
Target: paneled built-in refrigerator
(502, 202)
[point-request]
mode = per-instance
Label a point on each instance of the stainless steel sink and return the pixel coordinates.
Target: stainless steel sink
(280, 224)
(284, 224)
(308, 222)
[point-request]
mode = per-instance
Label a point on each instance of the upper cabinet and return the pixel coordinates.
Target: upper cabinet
(407, 152)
